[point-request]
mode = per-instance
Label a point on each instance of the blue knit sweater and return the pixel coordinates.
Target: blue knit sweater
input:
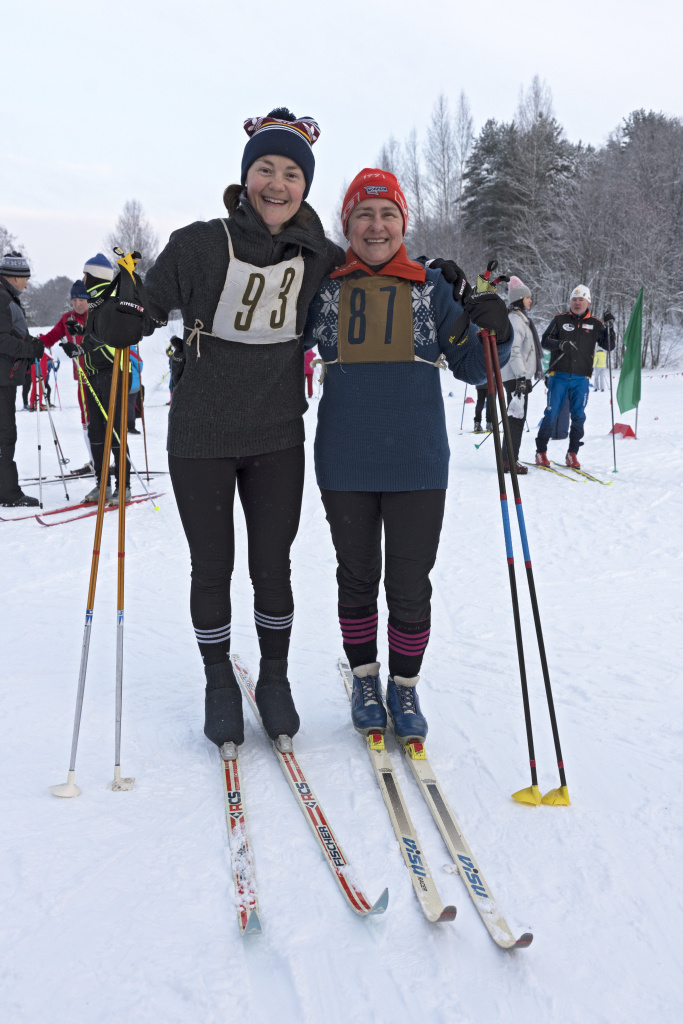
(382, 426)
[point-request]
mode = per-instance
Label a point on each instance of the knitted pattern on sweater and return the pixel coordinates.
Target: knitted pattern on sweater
(382, 426)
(234, 399)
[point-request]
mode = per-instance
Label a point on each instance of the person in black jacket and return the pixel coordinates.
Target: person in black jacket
(98, 360)
(17, 350)
(571, 338)
(243, 285)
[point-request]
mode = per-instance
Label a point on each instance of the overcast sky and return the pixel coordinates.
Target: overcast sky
(104, 102)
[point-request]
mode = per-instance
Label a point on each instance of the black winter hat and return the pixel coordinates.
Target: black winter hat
(282, 134)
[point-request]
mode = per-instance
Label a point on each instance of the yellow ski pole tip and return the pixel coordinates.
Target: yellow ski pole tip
(557, 797)
(530, 795)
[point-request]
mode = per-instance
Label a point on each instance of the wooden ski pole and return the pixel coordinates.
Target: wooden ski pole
(69, 788)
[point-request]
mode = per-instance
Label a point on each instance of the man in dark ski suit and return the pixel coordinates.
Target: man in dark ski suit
(17, 351)
(572, 338)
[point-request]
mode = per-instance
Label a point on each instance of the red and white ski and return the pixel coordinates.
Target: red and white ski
(312, 811)
(243, 874)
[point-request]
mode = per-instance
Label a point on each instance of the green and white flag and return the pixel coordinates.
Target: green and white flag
(628, 389)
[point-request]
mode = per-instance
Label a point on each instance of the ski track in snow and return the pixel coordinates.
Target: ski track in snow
(120, 907)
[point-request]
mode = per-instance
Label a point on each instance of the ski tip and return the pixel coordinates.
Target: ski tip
(531, 795)
(557, 797)
(523, 941)
(253, 925)
(381, 905)
(448, 914)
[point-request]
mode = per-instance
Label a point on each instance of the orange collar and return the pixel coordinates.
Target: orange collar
(398, 266)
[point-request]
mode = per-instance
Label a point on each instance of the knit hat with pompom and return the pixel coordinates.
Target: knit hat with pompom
(517, 290)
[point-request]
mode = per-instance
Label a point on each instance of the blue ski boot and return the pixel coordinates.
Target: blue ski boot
(368, 713)
(404, 707)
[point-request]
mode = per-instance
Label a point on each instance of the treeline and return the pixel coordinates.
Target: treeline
(555, 213)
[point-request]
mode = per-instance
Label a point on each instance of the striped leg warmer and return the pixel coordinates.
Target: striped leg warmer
(273, 633)
(359, 633)
(407, 643)
(214, 644)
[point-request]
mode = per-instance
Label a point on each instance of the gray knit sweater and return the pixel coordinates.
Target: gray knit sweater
(235, 399)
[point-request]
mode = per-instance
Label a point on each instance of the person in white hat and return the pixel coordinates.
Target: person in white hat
(571, 338)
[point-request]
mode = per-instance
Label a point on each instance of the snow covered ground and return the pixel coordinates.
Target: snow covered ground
(119, 907)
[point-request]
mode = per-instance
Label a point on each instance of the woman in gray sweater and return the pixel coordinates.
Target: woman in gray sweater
(243, 286)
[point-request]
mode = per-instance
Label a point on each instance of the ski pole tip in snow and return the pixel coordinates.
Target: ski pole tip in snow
(120, 785)
(557, 797)
(68, 788)
(531, 795)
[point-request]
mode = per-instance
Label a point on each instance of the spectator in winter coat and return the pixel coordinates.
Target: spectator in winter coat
(67, 332)
(525, 365)
(482, 403)
(600, 371)
(135, 396)
(308, 370)
(17, 350)
(384, 326)
(571, 338)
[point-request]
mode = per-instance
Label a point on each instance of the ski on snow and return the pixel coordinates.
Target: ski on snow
(455, 841)
(312, 810)
(408, 841)
(549, 469)
(93, 512)
(241, 858)
(583, 473)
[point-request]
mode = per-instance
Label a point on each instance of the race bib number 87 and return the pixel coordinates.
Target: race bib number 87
(375, 323)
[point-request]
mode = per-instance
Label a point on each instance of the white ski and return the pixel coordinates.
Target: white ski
(455, 841)
(408, 841)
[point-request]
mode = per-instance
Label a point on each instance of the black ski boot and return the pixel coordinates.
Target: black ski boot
(274, 699)
(223, 719)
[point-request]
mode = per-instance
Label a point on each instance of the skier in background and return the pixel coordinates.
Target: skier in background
(571, 338)
(526, 364)
(600, 371)
(17, 351)
(482, 400)
(308, 371)
(67, 333)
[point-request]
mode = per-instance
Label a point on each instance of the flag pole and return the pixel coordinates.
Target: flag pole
(636, 430)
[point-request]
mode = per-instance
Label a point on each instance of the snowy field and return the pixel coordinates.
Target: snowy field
(118, 908)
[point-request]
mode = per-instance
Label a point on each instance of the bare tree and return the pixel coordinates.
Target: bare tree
(535, 102)
(8, 241)
(389, 157)
(134, 232)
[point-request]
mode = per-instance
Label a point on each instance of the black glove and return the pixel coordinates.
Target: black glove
(37, 348)
(453, 275)
(522, 386)
(566, 344)
(608, 317)
(71, 349)
(488, 311)
(73, 327)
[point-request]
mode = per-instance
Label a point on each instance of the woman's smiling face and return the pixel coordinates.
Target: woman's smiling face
(275, 188)
(375, 230)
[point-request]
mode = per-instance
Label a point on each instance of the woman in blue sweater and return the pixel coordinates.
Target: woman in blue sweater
(384, 325)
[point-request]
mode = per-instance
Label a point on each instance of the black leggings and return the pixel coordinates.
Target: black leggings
(412, 527)
(270, 489)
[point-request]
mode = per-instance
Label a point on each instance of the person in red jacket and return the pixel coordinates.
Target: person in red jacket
(63, 329)
(308, 370)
